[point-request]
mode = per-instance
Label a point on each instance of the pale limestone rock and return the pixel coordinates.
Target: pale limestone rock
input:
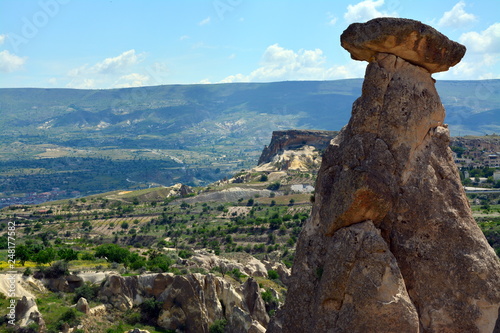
(248, 265)
(82, 305)
(27, 312)
(191, 302)
(254, 301)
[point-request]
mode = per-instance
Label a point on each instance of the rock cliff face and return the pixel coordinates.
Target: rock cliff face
(391, 245)
(293, 139)
(191, 303)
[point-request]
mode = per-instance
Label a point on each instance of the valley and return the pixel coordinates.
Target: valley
(192, 134)
(104, 197)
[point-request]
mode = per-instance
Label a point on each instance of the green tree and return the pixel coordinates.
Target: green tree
(112, 252)
(23, 253)
(45, 256)
(67, 254)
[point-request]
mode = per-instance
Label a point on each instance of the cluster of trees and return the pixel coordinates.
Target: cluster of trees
(155, 260)
(43, 254)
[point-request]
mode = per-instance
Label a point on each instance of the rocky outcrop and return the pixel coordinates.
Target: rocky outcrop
(391, 245)
(294, 139)
(67, 283)
(27, 313)
(82, 305)
(411, 40)
(179, 190)
(191, 302)
(247, 264)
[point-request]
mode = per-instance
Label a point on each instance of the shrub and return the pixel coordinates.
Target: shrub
(272, 274)
(58, 269)
(185, 254)
(87, 256)
(219, 326)
(274, 186)
(27, 272)
(132, 317)
(237, 274)
(87, 291)
(150, 310)
(70, 317)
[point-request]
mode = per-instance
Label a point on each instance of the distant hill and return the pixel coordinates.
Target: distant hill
(205, 131)
(186, 114)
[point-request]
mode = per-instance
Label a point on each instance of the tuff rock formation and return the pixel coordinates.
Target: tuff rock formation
(294, 139)
(27, 313)
(391, 245)
(411, 40)
(83, 305)
(192, 302)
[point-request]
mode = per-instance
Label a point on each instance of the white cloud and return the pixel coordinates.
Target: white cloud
(120, 64)
(111, 72)
(485, 41)
(10, 62)
(117, 64)
(204, 21)
(132, 80)
(457, 17)
(2, 39)
(366, 10)
(184, 37)
(205, 81)
(280, 64)
(332, 19)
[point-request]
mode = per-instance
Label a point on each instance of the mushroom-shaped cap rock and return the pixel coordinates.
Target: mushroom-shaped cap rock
(411, 40)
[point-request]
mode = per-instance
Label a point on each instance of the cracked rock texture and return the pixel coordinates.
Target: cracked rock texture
(391, 245)
(411, 40)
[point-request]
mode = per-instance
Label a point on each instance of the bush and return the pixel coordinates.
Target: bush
(87, 291)
(132, 317)
(27, 272)
(185, 254)
(87, 256)
(70, 317)
(219, 326)
(58, 269)
(272, 274)
(150, 310)
(237, 274)
(274, 186)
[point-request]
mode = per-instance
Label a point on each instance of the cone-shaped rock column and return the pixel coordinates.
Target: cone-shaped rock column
(391, 245)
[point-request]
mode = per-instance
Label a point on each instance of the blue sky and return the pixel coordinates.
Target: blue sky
(126, 43)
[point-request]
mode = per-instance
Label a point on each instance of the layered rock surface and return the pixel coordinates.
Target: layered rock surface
(294, 139)
(192, 302)
(391, 245)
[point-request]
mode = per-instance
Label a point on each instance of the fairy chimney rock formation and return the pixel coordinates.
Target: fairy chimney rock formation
(391, 245)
